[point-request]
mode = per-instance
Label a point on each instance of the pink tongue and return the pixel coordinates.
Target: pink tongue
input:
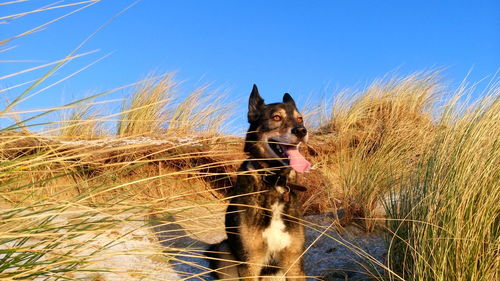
(297, 161)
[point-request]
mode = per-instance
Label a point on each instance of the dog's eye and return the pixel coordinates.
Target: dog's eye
(276, 117)
(299, 119)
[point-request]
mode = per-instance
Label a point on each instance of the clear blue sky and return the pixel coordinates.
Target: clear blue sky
(307, 48)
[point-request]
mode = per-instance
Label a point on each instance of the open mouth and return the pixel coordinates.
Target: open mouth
(289, 154)
(281, 150)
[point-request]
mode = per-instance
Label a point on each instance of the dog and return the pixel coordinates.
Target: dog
(265, 238)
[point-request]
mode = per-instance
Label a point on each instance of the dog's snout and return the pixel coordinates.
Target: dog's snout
(299, 131)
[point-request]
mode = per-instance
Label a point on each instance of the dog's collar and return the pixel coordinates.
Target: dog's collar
(296, 187)
(278, 178)
(272, 176)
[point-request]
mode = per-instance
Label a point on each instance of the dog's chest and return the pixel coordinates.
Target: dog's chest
(275, 235)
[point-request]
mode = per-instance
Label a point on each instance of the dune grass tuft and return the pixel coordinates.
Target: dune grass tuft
(445, 219)
(143, 112)
(81, 123)
(156, 108)
(373, 140)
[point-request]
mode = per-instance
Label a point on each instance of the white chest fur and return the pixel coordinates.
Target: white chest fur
(275, 235)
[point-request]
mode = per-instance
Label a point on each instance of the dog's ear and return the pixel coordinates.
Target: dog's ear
(255, 105)
(288, 99)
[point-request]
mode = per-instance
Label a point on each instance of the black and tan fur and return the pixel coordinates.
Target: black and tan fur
(265, 237)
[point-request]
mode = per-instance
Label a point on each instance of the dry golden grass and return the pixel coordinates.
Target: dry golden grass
(81, 123)
(50, 166)
(144, 112)
(63, 200)
(155, 109)
(444, 220)
(372, 140)
(161, 137)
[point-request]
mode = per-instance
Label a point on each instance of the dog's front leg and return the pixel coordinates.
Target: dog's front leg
(254, 254)
(295, 272)
(292, 265)
(249, 271)
(291, 260)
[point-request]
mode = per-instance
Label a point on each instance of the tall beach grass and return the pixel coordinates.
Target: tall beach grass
(445, 221)
(398, 158)
(81, 199)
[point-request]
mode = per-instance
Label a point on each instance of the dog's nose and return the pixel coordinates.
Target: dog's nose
(299, 131)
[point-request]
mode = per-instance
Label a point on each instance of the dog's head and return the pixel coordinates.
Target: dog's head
(276, 130)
